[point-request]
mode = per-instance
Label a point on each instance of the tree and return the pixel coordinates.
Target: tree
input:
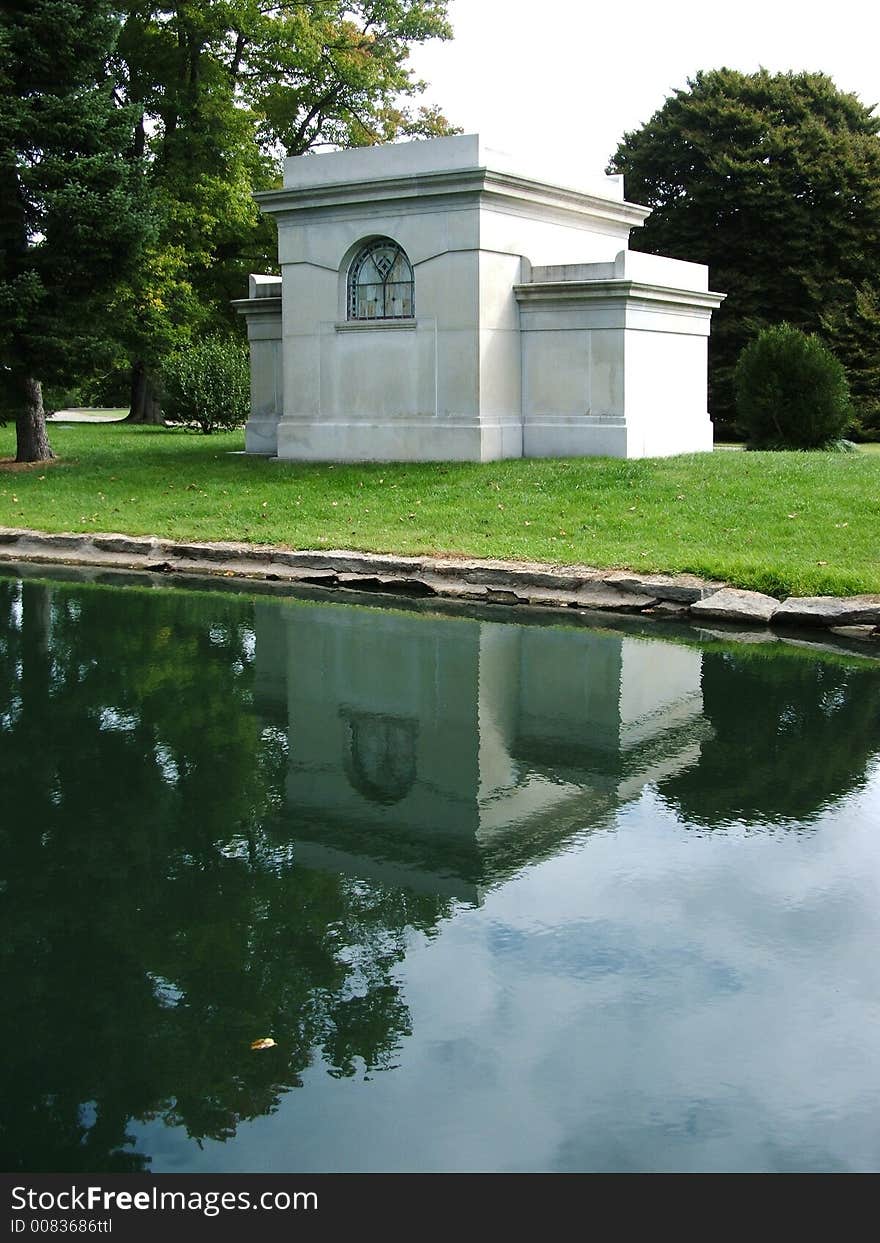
(70, 215)
(207, 385)
(855, 331)
(773, 180)
(219, 90)
(791, 391)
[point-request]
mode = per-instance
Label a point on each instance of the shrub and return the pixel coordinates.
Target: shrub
(206, 384)
(791, 392)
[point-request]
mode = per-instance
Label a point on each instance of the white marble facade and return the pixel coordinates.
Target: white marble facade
(439, 302)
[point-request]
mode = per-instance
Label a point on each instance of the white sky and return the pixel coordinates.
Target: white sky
(567, 79)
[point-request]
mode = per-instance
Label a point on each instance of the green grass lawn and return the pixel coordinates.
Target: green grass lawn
(804, 523)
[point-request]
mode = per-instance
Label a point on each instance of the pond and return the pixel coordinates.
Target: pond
(506, 896)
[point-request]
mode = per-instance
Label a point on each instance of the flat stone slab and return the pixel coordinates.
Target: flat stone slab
(133, 545)
(344, 562)
(669, 610)
(867, 634)
(829, 611)
(548, 597)
(207, 552)
(64, 540)
(454, 590)
(601, 596)
(678, 588)
(825, 642)
(730, 604)
(732, 635)
(514, 576)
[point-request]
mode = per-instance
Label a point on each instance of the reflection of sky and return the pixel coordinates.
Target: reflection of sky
(655, 998)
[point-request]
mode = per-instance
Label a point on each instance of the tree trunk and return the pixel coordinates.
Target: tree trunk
(32, 440)
(37, 721)
(145, 406)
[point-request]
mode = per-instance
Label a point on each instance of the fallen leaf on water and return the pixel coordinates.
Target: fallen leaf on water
(265, 1043)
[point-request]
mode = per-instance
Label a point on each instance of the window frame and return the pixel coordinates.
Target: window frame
(363, 256)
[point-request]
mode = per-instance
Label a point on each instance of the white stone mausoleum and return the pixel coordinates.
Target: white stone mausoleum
(438, 302)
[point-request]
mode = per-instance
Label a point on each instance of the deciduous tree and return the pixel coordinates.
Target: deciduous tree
(773, 180)
(221, 91)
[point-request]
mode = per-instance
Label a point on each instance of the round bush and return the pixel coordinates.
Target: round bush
(207, 384)
(791, 392)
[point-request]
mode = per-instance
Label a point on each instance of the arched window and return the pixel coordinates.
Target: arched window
(380, 283)
(381, 757)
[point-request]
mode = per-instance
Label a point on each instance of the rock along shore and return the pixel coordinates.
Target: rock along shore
(682, 597)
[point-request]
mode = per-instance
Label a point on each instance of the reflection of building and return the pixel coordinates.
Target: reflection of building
(444, 753)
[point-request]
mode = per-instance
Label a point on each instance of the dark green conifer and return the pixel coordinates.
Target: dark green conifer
(773, 180)
(70, 217)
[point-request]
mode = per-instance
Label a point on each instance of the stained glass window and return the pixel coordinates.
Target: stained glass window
(380, 283)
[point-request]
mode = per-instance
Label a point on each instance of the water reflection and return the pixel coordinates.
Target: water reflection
(226, 818)
(445, 754)
(789, 737)
(154, 921)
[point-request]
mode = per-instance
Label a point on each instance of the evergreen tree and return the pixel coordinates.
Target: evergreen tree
(773, 180)
(70, 217)
(855, 330)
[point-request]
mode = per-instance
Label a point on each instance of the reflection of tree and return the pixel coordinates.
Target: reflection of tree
(791, 736)
(154, 921)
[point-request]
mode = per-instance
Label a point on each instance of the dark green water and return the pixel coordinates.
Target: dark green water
(507, 897)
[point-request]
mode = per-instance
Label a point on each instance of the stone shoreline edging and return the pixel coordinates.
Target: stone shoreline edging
(683, 597)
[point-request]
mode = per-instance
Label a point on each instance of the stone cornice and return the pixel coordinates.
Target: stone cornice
(501, 189)
(613, 291)
(257, 306)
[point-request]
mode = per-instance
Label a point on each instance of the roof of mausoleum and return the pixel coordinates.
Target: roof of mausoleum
(449, 168)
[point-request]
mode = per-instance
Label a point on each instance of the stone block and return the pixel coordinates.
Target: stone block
(64, 540)
(761, 634)
(600, 596)
(829, 611)
(669, 610)
(131, 546)
(867, 633)
(731, 604)
(680, 588)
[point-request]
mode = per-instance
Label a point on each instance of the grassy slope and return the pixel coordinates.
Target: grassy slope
(781, 522)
